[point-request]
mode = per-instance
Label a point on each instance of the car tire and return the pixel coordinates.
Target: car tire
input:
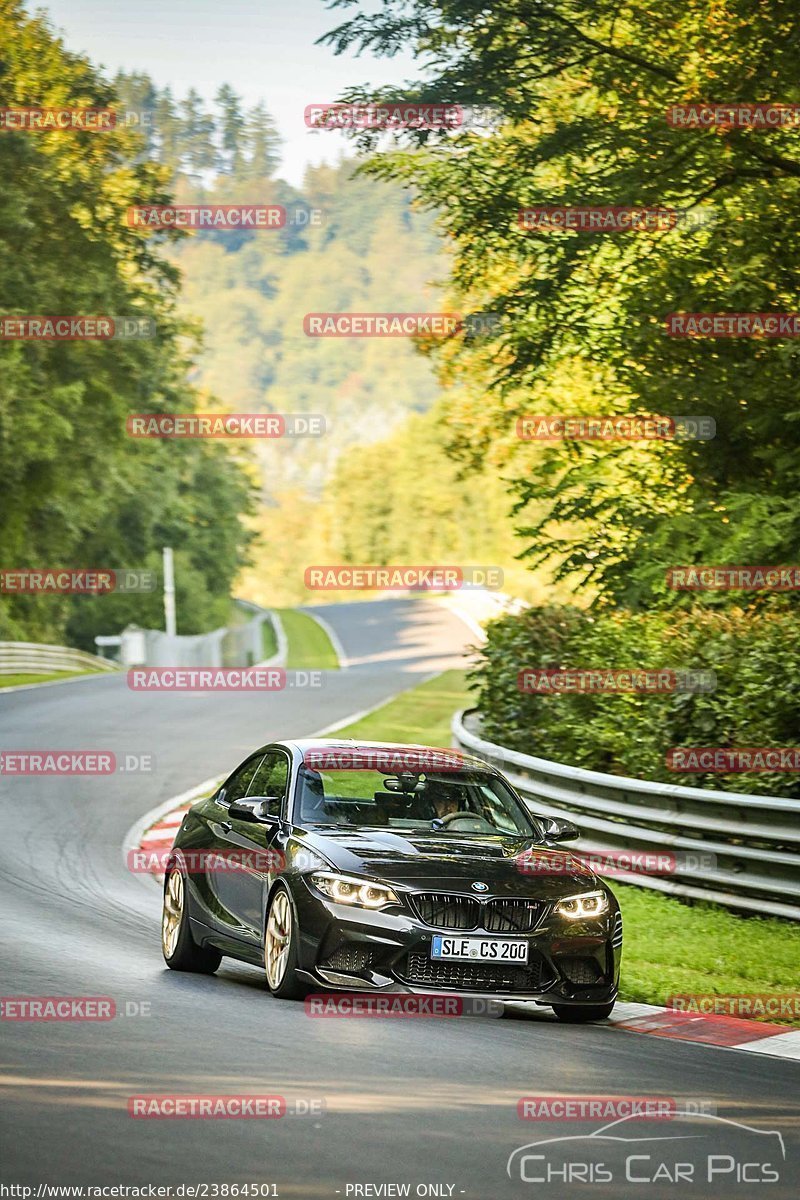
(578, 1014)
(181, 952)
(281, 942)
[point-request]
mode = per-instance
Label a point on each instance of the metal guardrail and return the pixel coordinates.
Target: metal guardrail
(228, 646)
(33, 658)
(239, 645)
(737, 850)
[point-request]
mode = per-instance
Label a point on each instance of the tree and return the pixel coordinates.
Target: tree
(198, 153)
(262, 141)
(76, 490)
(232, 126)
(138, 96)
(583, 94)
(168, 131)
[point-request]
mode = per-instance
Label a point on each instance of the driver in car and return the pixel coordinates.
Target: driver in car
(445, 799)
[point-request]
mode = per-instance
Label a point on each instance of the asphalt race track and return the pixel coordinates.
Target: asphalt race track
(406, 1102)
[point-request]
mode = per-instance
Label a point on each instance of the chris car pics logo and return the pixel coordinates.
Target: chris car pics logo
(704, 1152)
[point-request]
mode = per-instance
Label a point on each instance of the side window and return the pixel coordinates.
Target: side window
(240, 781)
(270, 780)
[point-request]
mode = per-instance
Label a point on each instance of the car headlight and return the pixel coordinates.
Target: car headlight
(588, 904)
(344, 889)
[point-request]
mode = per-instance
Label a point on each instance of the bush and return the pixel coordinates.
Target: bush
(756, 658)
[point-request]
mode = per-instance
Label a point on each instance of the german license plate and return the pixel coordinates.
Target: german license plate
(475, 949)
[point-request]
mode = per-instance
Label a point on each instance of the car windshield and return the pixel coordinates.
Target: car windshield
(462, 802)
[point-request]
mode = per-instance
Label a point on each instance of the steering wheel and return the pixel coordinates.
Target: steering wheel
(461, 816)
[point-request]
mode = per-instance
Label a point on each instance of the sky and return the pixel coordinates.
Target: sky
(263, 48)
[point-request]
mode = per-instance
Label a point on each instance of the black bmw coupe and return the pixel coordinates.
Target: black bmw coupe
(376, 867)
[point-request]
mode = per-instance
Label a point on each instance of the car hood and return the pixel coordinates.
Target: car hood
(510, 865)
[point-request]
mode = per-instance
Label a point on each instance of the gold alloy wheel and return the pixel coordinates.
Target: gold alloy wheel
(173, 913)
(278, 939)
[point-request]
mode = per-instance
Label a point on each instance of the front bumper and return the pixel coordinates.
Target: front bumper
(344, 948)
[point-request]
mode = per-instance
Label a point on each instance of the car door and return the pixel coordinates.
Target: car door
(218, 894)
(255, 847)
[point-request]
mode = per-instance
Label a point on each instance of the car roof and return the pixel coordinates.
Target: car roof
(306, 745)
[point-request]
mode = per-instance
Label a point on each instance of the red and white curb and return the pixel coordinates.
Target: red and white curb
(155, 831)
(734, 1033)
(158, 839)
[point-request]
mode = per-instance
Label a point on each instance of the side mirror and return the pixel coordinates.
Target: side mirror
(252, 808)
(558, 830)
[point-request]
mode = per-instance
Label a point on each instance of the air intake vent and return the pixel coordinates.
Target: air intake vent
(445, 911)
(512, 916)
(581, 970)
(351, 957)
(422, 971)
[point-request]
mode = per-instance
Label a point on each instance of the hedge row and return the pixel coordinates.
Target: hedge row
(756, 702)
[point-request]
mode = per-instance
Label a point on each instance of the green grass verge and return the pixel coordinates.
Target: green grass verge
(309, 647)
(670, 947)
(16, 680)
(422, 714)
